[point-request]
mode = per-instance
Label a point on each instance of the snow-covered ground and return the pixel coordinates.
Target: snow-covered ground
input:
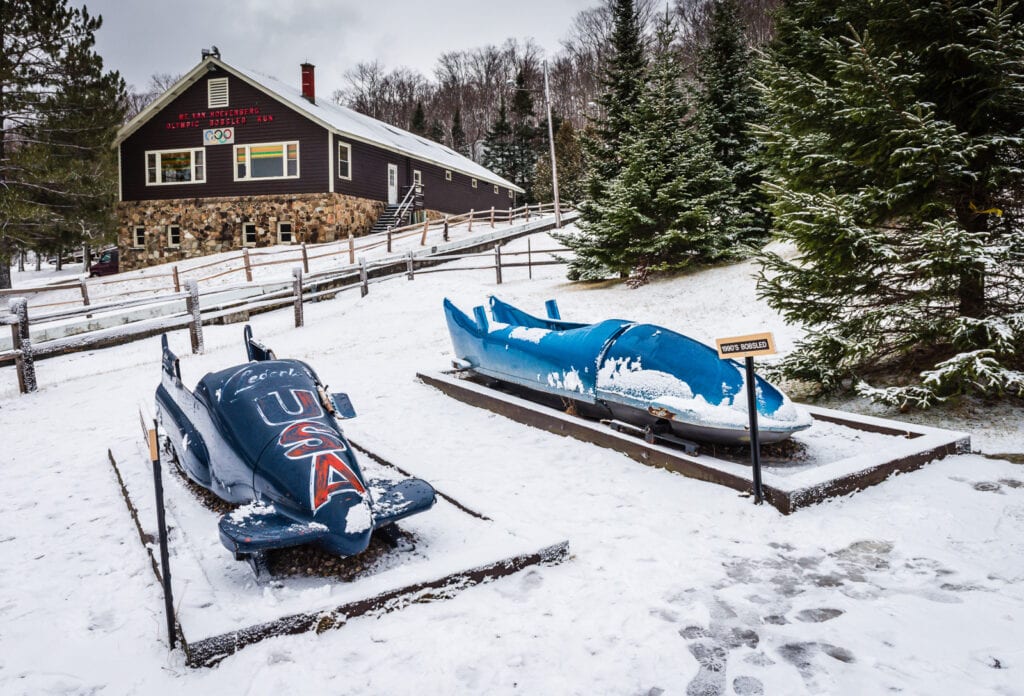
(673, 586)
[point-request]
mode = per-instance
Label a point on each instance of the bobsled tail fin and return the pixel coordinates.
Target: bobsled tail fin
(169, 361)
(394, 502)
(256, 528)
(254, 349)
(552, 309)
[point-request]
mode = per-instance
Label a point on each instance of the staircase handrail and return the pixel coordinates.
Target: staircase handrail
(406, 203)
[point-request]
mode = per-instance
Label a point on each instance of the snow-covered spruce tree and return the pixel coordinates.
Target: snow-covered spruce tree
(58, 112)
(498, 147)
(670, 205)
(896, 140)
(730, 105)
(622, 83)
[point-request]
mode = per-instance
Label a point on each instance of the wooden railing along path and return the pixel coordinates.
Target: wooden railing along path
(138, 318)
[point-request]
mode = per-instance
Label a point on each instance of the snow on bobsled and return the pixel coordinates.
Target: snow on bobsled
(642, 374)
(264, 434)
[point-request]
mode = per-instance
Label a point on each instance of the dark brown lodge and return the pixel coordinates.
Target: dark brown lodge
(228, 158)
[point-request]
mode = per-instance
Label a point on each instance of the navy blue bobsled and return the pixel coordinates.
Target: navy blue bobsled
(642, 374)
(264, 433)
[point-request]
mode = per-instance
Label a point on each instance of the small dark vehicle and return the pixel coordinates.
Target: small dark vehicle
(265, 433)
(107, 264)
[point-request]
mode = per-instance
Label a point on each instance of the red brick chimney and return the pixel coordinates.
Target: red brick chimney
(308, 88)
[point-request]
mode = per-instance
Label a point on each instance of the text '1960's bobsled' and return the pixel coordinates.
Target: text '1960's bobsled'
(641, 374)
(264, 433)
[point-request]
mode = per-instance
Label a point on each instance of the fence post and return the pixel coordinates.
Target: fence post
(195, 327)
(85, 292)
(527, 212)
(297, 285)
(492, 217)
(509, 215)
(177, 280)
(445, 228)
(529, 258)
(351, 248)
(364, 284)
(305, 259)
(470, 220)
(426, 226)
(497, 263)
(409, 271)
(248, 267)
(389, 240)
(22, 343)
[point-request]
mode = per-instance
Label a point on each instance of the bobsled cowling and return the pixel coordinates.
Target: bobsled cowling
(265, 433)
(642, 374)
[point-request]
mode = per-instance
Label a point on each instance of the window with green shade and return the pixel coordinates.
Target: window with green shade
(175, 167)
(267, 161)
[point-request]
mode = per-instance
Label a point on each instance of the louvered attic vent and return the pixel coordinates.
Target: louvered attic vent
(217, 92)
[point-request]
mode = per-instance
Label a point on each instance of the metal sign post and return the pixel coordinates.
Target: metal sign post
(755, 444)
(747, 347)
(161, 520)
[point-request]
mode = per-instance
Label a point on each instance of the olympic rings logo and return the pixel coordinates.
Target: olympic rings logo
(218, 136)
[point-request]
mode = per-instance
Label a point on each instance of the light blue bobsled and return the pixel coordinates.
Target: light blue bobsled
(642, 374)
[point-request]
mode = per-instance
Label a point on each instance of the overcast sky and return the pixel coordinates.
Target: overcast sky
(142, 37)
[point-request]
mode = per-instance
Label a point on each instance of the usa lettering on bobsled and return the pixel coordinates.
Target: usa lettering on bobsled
(264, 434)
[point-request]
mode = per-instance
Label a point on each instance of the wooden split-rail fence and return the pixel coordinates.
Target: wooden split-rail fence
(187, 307)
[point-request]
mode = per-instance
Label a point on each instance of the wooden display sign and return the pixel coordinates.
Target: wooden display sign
(746, 346)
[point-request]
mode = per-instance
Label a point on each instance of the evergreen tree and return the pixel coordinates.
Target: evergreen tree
(458, 134)
(670, 205)
(498, 148)
(730, 105)
(568, 159)
(622, 83)
(418, 123)
(525, 138)
(895, 129)
(436, 131)
(58, 112)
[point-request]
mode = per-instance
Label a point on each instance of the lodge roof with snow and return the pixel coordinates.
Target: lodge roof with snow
(335, 118)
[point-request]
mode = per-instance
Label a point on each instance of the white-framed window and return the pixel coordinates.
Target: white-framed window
(344, 161)
(472, 182)
(267, 161)
(510, 193)
(175, 167)
(248, 234)
(284, 233)
(417, 177)
(139, 237)
(496, 190)
(217, 92)
(447, 174)
(174, 236)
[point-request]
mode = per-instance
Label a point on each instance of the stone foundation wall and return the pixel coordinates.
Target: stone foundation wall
(212, 225)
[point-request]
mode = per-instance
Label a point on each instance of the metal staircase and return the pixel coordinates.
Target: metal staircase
(400, 214)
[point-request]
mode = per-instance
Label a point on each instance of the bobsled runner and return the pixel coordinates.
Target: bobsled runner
(265, 434)
(640, 374)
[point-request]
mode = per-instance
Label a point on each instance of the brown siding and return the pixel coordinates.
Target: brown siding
(272, 122)
(252, 125)
(458, 195)
(370, 172)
